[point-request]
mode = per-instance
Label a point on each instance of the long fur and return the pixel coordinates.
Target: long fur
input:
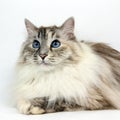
(79, 75)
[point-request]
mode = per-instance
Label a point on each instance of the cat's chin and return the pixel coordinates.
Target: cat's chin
(46, 66)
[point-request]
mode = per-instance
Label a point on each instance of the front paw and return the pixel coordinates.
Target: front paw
(34, 110)
(26, 107)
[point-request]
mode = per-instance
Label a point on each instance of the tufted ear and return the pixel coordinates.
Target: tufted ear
(31, 29)
(68, 28)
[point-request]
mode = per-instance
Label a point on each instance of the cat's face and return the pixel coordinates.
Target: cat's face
(49, 47)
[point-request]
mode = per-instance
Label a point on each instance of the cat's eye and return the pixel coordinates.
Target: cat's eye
(36, 44)
(55, 44)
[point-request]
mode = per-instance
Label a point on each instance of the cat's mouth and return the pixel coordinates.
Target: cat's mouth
(45, 63)
(46, 66)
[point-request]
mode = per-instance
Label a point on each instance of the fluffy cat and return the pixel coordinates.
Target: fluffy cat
(56, 72)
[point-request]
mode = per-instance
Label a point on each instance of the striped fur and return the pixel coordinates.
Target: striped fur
(75, 76)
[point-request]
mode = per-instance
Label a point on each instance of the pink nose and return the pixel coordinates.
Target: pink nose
(43, 56)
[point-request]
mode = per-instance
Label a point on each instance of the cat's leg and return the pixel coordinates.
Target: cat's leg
(41, 105)
(61, 105)
(30, 106)
(110, 90)
(112, 95)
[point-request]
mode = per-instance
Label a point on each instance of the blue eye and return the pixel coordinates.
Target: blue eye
(55, 44)
(36, 44)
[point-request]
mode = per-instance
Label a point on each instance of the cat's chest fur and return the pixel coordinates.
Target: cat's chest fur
(54, 85)
(71, 82)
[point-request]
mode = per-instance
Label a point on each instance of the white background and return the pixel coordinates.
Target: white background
(96, 20)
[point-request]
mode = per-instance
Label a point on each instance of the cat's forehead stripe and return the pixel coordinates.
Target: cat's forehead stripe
(39, 34)
(42, 33)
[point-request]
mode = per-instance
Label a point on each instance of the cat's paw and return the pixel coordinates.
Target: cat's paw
(25, 107)
(34, 110)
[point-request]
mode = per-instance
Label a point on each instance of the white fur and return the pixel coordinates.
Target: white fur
(69, 82)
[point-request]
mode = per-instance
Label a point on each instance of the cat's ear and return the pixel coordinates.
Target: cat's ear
(31, 28)
(68, 27)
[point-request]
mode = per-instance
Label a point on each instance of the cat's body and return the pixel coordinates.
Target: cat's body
(59, 73)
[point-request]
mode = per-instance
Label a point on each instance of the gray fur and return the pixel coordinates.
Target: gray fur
(104, 95)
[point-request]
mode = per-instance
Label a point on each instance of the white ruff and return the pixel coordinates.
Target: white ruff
(71, 82)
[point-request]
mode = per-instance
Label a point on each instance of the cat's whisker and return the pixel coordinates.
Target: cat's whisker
(56, 72)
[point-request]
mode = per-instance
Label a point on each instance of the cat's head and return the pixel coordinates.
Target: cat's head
(50, 47)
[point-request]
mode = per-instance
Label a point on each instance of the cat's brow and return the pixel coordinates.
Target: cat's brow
(42, 33)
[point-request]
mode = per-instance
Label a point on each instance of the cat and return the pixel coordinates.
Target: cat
(56, 72)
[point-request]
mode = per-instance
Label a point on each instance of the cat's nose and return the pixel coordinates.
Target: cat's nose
(43, 56)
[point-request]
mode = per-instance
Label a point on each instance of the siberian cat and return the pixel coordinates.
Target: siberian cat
(56, 72)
